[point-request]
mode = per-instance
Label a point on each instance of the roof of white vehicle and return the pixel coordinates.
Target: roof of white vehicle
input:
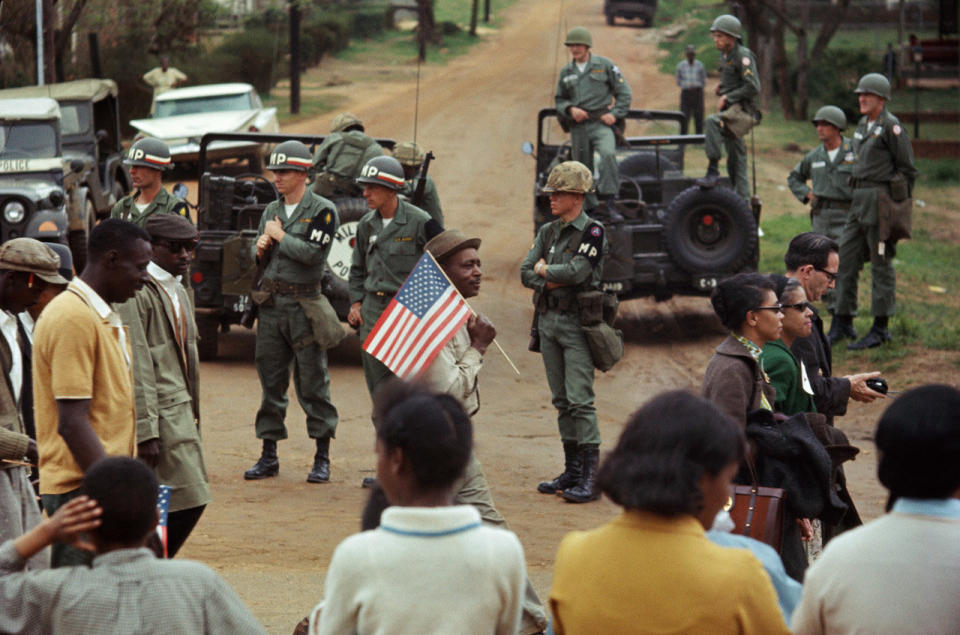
(31, 109)
(80, 89)
(206, 90)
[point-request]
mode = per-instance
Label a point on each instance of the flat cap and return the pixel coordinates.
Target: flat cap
(170, 227)
(449, 242)
(32, 256)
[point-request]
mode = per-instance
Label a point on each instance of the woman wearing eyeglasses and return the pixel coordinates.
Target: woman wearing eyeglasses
(747, 305)
(786, 373)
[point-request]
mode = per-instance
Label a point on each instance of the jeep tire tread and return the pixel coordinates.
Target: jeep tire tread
(710, 230)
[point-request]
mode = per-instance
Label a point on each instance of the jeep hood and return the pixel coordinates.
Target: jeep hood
(186, 126)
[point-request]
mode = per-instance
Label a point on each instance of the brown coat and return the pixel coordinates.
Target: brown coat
(13, 440)
(733, 381)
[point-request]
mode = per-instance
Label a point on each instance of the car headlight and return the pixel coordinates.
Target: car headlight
(14, 212)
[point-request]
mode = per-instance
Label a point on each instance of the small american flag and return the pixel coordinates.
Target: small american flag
(163, 508)
(426, 312)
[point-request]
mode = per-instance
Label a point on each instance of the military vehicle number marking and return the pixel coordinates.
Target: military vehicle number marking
(240, 304)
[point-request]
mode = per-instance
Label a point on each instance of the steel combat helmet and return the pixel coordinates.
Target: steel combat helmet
(874, 84)
(569, 176)
(832, 115)
(290, 155)
(409, 153)
(149, 153)
(384, 171)
(578, 35)
(728, 24)
(345, 120)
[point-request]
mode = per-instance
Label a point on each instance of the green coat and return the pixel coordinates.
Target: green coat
(431, 200)
(163, 203)
(593, 89)
(565, 265)
(882, 151)
(783, 370)
(828, 179)
(345, 153)
(738, 78)
(298, 258)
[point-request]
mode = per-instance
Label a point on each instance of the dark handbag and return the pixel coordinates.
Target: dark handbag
(758, 511)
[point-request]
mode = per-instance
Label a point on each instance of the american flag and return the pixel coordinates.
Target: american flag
(163, 508)
(426, 312)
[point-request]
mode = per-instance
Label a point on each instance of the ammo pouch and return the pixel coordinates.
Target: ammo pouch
(590, 304)
(738, 121)
(324, 322)
(597, 312)
(899, 188)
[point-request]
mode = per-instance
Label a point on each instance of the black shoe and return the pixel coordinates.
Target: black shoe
(874, 338)
(267, 465)
(369, 482)
(585, 490)
(610, 214)
(840, 327)
(321, 463)
(571, 471)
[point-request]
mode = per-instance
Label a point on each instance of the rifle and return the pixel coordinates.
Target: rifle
(417, 198)
(257, 297)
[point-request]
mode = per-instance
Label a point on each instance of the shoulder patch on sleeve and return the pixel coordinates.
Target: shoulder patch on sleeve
(897, 129)
(591, 243)
(182, 209)
(745, 61)
(321, 226)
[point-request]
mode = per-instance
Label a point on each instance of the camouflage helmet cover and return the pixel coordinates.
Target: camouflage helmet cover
(569, 176)
(344, 120)
(149, 153)
(874, 84)
(832, 115)
(728, 24)
(290, 155)
(578, 35)
(409, 153)
(384, 171)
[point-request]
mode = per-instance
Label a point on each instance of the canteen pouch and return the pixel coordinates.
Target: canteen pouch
(324, 322)
(899, 188)
(590, 304)
(737, 120)
(606, 345)
(611, 303)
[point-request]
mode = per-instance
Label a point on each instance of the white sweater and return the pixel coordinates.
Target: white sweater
(425, 570)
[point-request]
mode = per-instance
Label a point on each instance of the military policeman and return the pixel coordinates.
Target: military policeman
(585, 90)
(411, 156)
(294, 238)
(148, 159)
(338, 160)
(565, 260)
(882, 174)
(738, 91)
(389, 242)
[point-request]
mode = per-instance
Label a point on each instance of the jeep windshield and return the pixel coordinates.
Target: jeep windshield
(27, 140)
(75, 118)
(193, 106)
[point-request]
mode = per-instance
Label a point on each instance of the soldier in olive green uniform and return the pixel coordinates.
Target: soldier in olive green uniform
(739, 84)
(295, 238)
(566, 259)
(389, 242)
(411, 156)
(883, 156)
(147, 160)
(585, 89)
(338, 160)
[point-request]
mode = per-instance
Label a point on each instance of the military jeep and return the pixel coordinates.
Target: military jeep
(229, 208)
(630, 9)
(678, 238)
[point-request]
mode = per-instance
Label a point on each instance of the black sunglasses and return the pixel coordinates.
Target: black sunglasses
(775, 307)
(176, 246)
(799, 306)
(829, 274)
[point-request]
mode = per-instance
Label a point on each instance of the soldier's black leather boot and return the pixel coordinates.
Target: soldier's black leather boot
(571, 471)
(321, 463)
(266, 465)
(840, 327)
(585, 490)
(712, 177)
(877, 335)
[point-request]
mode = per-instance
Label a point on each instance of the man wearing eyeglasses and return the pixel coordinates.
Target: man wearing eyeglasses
(163, 336)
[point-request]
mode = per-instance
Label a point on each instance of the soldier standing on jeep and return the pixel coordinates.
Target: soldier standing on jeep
(585, 90)
(341, 156)
(147, 160)
(411, 156)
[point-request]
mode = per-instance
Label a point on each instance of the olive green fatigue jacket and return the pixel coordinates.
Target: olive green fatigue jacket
(13, 438)
(431, 200)
(163, 203)
(383, 257)
(298, 258)
(345, 153)
(738, 78)
(593, 89)
(828, 179)
(558, 243)
(882, 150)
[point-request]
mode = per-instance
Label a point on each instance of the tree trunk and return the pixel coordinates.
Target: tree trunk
(425, 26)
(61, 42)
(803, 62)
(49, 17)
(474, 11)
(783, 70)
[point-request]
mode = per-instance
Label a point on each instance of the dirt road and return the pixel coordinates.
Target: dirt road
(273, 539)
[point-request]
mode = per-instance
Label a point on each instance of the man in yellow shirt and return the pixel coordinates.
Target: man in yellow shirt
(163, 78)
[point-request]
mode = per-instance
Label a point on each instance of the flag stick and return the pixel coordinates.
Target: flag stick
(500, 348)
(12, 462)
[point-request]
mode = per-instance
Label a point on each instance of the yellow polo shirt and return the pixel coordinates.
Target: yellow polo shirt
(81, 351)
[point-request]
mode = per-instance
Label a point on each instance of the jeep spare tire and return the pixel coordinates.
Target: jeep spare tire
(710, 230)
(350, 210)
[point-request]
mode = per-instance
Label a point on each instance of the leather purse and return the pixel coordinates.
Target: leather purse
(758, 511)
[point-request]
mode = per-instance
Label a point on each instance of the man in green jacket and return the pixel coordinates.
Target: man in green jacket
(566, 259)
(411, 156)
(587, 87)
(883, 155)
(739, 85)
(294, 238)
(338, 160)
(147, 160)
(163, 336)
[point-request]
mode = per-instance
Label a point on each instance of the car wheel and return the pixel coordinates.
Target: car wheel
(350, 210)
(208, 330)
(78, 238)
(710, 230)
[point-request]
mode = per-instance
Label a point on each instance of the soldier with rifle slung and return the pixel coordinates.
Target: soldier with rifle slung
(418, 186)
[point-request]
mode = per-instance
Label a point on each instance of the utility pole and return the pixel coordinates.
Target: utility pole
(40, 42)
(294, 57)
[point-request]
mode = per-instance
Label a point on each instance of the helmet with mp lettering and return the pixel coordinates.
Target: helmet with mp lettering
(728, 24)
(578, 35)
(874, 84)
(569, 176)
(149, 153)
(290, 155)
(346, 121)
(384, 171)
(832, 115)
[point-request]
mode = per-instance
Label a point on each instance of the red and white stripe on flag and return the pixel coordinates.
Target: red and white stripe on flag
(419, 321)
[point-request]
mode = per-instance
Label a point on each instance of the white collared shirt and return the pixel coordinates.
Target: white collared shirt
(8, 325)
(105, 311)
(168, 283)
(28, 324)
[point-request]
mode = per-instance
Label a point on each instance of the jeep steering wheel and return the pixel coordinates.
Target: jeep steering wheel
(258, 182)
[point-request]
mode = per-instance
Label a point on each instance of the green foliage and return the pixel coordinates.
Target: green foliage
(833, 79)
(369, 23)
(938, 171)
(247, 56)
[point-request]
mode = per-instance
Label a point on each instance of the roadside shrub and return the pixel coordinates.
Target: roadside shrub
(833, 82)
(369, 23)
(247, 56)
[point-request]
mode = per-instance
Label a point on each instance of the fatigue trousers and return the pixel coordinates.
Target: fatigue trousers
(284, 335)
(569, 366)
(594, 136)
(830, 222)
(858, 244)
(691, 105)
(716, 139)
(374, 371)
(472, 489)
